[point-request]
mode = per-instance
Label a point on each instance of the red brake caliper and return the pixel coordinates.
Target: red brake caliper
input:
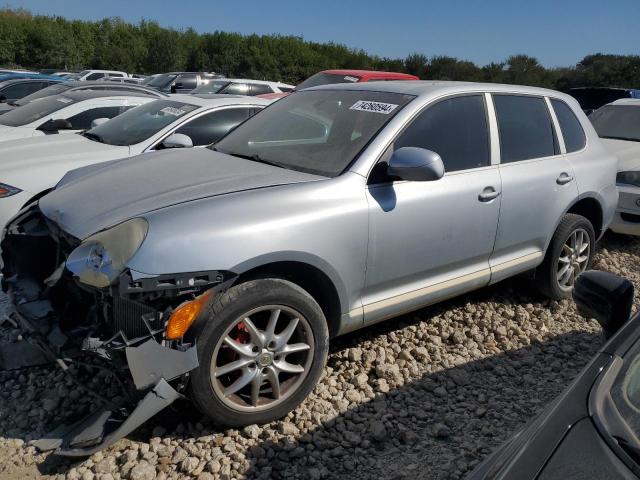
(241, 335)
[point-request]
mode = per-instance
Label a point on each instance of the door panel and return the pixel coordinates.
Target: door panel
(534, 197)
(429, 240)
(535, 191)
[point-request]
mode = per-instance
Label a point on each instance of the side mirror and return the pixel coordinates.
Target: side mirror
(416, 165)
(606, 297)
(56, 125)
(177, 140)
(98, 121)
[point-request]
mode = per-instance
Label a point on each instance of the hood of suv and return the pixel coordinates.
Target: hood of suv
(628, 153)
(105, 195)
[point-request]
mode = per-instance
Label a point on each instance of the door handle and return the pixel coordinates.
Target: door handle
(564, 178)
(488, 194)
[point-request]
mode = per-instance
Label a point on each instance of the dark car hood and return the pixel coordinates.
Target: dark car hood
(105, 195)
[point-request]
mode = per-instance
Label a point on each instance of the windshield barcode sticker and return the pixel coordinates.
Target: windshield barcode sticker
(176, 112)
(351, 79)
(377, 107)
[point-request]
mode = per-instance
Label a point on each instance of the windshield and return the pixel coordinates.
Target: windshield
(319, 132)
(162, 81)
(35, 110)
(140, 123)
(327, 79)
(621, 122)
(625, 391)
(211, 87)
(45, 92)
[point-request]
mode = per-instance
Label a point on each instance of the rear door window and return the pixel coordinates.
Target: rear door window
(456, 129)
(525, 128)
(572, 132)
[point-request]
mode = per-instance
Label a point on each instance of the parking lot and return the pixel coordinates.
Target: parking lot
(427, 395)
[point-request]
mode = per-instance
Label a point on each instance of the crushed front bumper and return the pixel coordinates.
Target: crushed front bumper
(151, 365)
(150, 361)
(121, 327)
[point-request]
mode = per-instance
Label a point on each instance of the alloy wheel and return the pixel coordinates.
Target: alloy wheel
(262, 358)
(574, 258)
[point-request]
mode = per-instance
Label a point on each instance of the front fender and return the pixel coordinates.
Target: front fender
(301, 257)
(321, 223)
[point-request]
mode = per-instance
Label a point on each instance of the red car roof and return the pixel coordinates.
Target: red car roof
(366, 75)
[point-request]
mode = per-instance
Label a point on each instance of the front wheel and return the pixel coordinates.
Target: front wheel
(261, 352)
(569, 254)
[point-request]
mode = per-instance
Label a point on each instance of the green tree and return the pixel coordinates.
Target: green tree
(36, 41)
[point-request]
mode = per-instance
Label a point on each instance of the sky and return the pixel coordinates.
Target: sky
(557, 33)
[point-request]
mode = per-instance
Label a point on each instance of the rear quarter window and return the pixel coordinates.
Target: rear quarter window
(572, 132)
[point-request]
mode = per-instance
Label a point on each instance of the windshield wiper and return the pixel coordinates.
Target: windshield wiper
(628, 139)
(93, 136)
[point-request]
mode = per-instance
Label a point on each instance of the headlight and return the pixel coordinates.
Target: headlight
(101, 258)
(628, 178)
(8, 190)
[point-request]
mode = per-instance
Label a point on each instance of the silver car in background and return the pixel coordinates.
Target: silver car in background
(222, 273)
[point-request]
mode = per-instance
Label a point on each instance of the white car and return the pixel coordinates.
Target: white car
(98, 74)
(242, 86)
(618, 125)
(29, 168)
(66, 113)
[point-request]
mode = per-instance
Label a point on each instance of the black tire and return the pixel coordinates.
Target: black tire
(223, 312)
(546, 273)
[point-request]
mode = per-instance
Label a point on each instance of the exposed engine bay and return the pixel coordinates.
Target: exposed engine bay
(121, 328)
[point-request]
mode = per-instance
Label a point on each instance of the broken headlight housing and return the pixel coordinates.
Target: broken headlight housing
(102, 257)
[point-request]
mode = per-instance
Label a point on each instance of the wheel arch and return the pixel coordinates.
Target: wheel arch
(590, 208)
(312, 274)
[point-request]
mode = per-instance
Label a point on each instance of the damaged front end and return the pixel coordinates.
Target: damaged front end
(73, 298)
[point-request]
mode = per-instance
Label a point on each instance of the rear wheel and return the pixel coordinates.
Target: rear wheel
(261, 352)
(569, 254)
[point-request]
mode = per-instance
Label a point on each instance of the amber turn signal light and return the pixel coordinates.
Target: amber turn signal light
(183, 317)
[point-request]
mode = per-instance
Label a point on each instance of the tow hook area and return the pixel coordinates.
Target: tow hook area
(152, 366)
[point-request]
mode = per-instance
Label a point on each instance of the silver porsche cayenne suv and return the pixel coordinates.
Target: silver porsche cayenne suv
(221, 274)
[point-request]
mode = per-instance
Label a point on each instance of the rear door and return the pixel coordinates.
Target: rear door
(538, 182)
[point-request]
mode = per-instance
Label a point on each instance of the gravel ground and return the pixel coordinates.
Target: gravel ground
(426, 395)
